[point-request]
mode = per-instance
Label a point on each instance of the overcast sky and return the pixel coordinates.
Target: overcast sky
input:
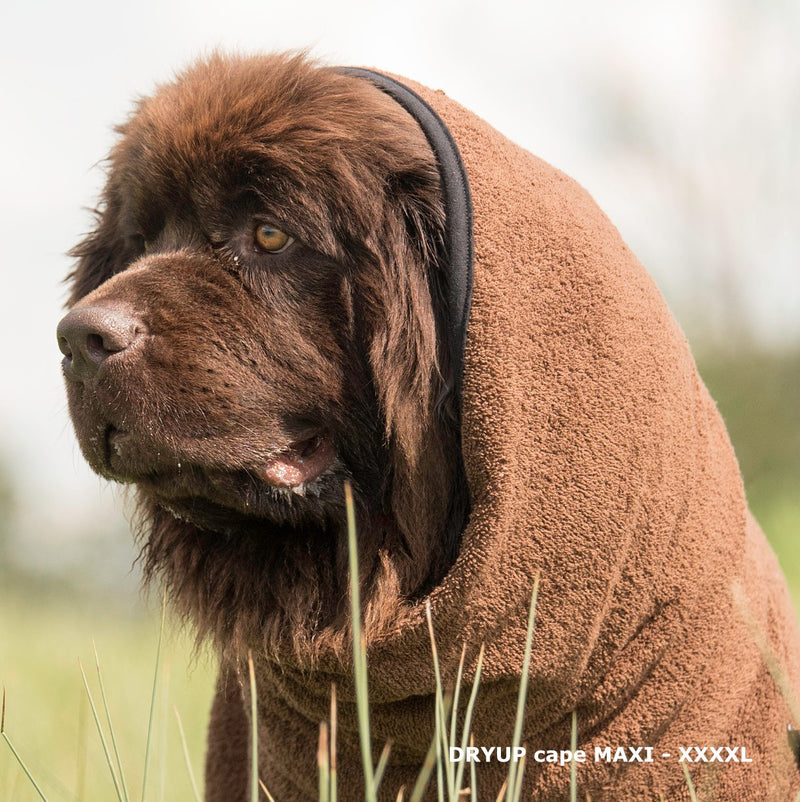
(680, 116)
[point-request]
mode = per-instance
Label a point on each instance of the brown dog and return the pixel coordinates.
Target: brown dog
(274, 300)
(253, 321)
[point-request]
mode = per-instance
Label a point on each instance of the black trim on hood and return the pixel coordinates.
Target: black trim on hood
(458, 209)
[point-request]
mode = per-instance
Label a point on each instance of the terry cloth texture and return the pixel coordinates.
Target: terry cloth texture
(597, 460)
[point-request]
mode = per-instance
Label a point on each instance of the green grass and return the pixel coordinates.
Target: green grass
(757, 392)
(781, 523)
(48, 716)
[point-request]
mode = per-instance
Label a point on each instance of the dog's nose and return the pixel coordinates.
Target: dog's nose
(88, 336)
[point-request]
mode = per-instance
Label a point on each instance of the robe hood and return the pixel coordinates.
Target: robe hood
(597, 461)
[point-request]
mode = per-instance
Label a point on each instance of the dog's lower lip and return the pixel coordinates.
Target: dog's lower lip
(302, 461)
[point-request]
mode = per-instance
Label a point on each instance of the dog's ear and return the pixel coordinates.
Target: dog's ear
(404, 349)
(410, 365)
(104, 251)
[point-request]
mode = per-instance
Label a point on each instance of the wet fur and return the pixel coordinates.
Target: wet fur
(241, 351)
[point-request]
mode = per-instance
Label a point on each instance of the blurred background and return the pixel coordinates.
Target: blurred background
(681, 117)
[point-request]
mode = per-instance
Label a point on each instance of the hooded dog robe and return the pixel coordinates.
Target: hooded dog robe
(596, 460)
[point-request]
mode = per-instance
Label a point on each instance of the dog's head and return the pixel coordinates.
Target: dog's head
(256, 316)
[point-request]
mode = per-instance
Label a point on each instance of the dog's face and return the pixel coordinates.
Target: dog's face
(255, 317)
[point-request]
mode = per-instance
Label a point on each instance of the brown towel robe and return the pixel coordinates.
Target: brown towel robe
(596, 459)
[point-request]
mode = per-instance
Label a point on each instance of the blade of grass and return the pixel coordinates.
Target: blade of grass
(439, 771)
(186, 756)
(424, 776)
(502, 792)
(437, 736)
(334, 733)
(263, 787)
(523, 685)
(253, 730)
(359, 646)
(467, 731)
(323, 764)
(149, 743)
(689, 784)
(473, 771)
(107, 710)
(382, 762)
(14, 752)
(22, 765)
(441, 718)
(162, 734)
(517, 793)
(456, 695)
(106, 751)
(573, 769)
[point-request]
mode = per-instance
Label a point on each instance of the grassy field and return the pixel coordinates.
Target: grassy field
(781, 522)
(48, 717)
(758, 394)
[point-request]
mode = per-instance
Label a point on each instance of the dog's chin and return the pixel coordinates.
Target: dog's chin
(240, 501)
(263, 512)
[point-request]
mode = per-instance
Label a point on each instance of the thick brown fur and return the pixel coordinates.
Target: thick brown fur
(240, 353)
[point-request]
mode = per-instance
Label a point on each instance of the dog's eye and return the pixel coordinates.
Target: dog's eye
(271, 239)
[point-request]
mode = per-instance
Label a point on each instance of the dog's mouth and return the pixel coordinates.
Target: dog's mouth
(302, 462)
(285, 487)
